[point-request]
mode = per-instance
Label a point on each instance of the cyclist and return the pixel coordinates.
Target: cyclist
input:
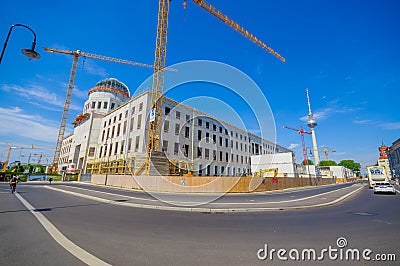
(13, 183)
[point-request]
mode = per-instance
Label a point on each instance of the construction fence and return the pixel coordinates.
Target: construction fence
(207, 184)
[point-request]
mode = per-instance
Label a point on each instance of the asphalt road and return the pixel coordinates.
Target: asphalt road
(121, 235)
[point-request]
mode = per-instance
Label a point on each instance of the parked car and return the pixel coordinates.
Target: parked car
(384, 187)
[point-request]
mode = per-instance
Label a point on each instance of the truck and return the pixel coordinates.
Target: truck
(376, 174)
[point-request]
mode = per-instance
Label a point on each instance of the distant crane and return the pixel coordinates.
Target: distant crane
(71, 82)
(301, 132)
(326, 151)
(9, 153)
(160, 54)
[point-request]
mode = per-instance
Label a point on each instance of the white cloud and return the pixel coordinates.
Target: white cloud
(380, 124)
(38, 94)
(16, 123)
(293, 145)
(390, 126)
(92, 68)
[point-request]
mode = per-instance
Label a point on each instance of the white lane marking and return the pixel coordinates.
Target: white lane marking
(210, 210)
(216, 203)
(112, 194)
(71, 247)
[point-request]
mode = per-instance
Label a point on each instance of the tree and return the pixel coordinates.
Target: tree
(350, 164)
(327, 163)
(310, 162)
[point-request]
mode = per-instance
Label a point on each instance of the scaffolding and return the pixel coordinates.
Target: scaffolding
(111, 166)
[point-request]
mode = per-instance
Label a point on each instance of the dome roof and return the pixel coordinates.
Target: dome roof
(113, 85)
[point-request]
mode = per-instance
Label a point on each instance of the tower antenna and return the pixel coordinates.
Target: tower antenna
(312, 124)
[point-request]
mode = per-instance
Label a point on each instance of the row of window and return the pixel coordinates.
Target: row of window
(118, 147)
(222, 156)
(99, 105)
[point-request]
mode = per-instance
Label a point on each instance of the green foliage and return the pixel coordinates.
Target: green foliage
(310, 162)
(327, 163)
(350, 164)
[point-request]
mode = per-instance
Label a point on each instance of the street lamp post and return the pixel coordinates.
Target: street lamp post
(30, 53)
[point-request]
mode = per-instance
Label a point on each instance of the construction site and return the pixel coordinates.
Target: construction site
(152, 135)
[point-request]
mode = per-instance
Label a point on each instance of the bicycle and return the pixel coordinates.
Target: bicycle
(13, 187)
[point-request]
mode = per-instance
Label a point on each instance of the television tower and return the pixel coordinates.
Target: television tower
(312, 124)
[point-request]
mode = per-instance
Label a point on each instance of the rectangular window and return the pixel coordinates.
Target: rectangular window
(176, 148)
(116, 148)
(226, 143)
(112, 132)
(112, 106)
(124, 128)
(118, 129)
(165, 145)
(177, 128)
(214, 154)
(220, 156)
(110, 150)
(105, 105)
(220, 129)
(115, 119)
(226, 157)
(220, 141)
(199, 152)
(108, 133)
(140, 107)
(166, 126)
(187, 130)
(105, 123)
(139, 122)
(122, 147)
(178, 115)
(91, 151)
(137, 143)
(207, 137)
(129, 144)
(102, 136)
(120, 117)
(131, 125)
(214, 127)
(207, 124)
(199, 135)
(167, 110)
(199, 122)
(187, 117)
(207, 153)
(126, 113)
(93, 105)
(133, 110)
(98, 105)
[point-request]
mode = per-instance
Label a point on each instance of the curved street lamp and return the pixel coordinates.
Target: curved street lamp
(30, 53)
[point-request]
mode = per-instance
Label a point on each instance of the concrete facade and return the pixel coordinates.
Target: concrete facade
(111, 134)
(394, 159)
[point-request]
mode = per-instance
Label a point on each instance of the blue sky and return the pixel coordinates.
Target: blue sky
(345, 52)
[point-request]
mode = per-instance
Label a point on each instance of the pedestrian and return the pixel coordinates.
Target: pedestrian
(50, 179)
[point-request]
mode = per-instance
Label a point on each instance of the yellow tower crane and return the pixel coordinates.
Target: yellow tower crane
(157, 89)
(76, 54)
(326, 151)
(9, 153)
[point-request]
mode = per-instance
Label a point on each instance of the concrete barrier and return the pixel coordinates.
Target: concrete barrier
(208, 184)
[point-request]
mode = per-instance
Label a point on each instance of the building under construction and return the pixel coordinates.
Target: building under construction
(110, 138)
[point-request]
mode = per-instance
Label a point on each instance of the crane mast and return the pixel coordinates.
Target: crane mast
(157, 90)
(301, 132)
